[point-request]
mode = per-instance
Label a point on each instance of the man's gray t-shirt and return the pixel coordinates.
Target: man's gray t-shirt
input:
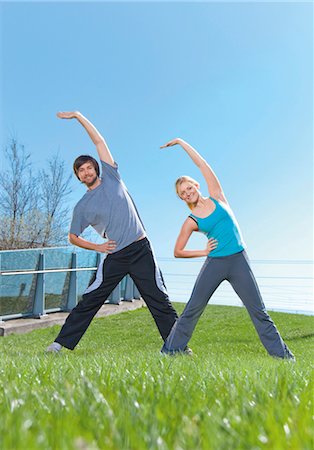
(109, 209)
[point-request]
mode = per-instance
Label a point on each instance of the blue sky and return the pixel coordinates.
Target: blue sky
(233, 79)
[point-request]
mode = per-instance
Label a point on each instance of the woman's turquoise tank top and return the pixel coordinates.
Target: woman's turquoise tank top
(223, 226)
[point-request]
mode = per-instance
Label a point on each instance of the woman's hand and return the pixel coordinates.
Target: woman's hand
(106, 247)
(211, 245)
(68, 114)
(171, 143)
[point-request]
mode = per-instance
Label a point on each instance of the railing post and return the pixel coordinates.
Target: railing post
(1, 321)
(98, 259)
(128, 292)
(131, 292)
(72, 290)
(1, 318)
(39, 296)
(136, 294)
(115, 296)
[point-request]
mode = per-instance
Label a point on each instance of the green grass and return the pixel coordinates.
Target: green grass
(115, 391)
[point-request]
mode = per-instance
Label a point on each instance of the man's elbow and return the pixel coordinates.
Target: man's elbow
(71, 238)
(176, 253)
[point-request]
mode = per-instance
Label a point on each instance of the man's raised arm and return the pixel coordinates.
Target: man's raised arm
(96, 137)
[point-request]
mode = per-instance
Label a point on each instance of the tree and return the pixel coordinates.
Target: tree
(32, 211)
(54, 189)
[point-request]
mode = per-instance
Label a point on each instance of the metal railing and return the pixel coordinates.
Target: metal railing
(39, 281)
(24, 292)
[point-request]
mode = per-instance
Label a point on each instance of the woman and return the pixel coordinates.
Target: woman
(226, 260)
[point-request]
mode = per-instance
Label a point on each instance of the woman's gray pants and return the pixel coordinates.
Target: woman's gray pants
(235, 269)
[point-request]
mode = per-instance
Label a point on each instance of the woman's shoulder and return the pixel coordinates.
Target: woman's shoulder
(190, 222)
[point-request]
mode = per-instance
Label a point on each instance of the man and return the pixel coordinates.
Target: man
(109, 209)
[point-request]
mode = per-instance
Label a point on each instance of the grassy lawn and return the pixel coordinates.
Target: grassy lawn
(115, 391)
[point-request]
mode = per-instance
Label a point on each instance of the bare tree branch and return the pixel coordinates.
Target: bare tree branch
(32, 211)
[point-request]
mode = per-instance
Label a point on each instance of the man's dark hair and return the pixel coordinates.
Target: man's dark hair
(82, 160)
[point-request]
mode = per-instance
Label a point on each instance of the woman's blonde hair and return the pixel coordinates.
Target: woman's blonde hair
(184, 178)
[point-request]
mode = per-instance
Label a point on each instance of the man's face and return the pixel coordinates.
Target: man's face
(87, 174)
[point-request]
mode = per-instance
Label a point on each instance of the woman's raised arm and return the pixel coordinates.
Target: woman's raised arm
(214, 187)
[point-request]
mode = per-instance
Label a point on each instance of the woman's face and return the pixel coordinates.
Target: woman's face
(188, 192)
